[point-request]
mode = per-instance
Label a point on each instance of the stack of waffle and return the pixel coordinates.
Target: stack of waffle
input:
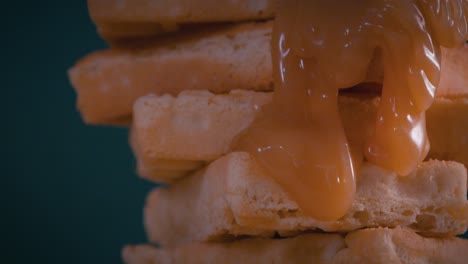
(190, 78)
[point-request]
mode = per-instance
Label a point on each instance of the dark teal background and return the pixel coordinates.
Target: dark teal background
(69, 191)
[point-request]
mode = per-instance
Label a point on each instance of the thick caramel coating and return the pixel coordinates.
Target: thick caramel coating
(299, 138)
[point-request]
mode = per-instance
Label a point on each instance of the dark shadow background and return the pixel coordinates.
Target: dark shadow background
(69, 191)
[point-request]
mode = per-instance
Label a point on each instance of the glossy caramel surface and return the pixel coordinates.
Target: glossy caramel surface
(321, 46)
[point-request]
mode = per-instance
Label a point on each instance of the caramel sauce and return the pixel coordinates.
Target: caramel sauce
(321, 46)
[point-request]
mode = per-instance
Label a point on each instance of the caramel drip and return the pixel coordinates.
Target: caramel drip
(321, 46)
